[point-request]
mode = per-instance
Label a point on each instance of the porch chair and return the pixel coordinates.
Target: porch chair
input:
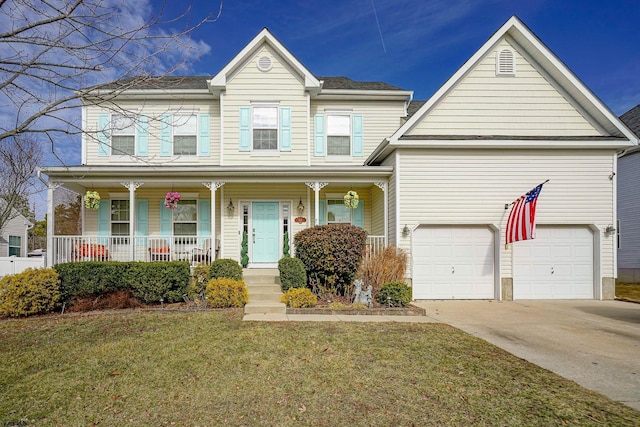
(204, 254)
(159, 250)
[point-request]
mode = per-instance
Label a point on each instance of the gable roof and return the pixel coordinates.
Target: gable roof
(632, 119)
(615, 134)
(219, 81)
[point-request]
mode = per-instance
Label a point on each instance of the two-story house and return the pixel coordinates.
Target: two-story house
(265, 148)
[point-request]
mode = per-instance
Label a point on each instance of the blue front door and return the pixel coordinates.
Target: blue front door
(266, 236)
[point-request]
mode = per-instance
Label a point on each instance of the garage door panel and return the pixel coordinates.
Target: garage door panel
(558, 264)
(453, 262)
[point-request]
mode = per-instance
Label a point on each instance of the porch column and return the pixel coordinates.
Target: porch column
(213, 186)
(132, 186)
(383, 187)
(316, 187)
(51, 186)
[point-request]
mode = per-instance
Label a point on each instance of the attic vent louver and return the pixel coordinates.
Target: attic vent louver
(505, 63)
(264, 63)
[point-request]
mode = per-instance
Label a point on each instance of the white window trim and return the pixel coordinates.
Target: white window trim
(270, 152)
(173, 133)
(339, 157)
(134, 118)
(185, 197)
(113, 197)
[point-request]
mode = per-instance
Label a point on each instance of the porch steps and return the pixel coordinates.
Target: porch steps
(264, 291)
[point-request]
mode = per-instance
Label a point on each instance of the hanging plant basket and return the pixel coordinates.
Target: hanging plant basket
(92, 200)
(171, 200)
(351, 199)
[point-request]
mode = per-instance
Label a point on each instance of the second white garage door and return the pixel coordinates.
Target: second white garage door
(453, 262)
(557, 264)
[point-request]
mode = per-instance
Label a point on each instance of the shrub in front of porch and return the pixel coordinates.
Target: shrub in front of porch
(331, 255)
(292, 274)
(226, 293)
(225, 267)
(299, 298)
(34, 291)
(396, 294)
(147, 281)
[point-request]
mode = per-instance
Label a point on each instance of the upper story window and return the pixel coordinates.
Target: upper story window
(338, 135)
(123, 135)
(265, 128)
(15, 245)
(505, 63)
(185, 135)
(185, 218)
(120, 214)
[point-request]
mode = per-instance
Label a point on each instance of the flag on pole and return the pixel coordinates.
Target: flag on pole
(521, 224)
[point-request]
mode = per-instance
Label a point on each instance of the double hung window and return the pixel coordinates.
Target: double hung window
(15, 245)
(265, 128)
(185, 218)
(185, 135)
(123, 135)
(120, 218)
(338, 134)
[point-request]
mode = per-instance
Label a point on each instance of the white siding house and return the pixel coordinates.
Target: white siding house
(14, 237)
(266, 148)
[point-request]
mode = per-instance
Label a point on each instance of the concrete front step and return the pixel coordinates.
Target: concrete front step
(264, 297)
(265, 308)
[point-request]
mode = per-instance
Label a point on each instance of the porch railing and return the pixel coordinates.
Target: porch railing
(195, 249)
(374, 244)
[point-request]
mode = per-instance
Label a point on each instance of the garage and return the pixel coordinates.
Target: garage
(557, 264)
(453, 262)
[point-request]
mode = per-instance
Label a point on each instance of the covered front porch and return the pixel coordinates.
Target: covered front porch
(249, 215)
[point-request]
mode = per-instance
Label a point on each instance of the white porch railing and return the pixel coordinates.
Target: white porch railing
(375, 244)
(195, 249)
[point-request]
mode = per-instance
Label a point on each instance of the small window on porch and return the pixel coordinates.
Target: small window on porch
(15, 245)
(185, 218)
(337, 212)
(120, 222)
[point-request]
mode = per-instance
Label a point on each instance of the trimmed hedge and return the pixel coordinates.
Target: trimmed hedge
(292, 274)
(331, 255)
(395, 294)
(225, 267)
(226, 293)
(299, 298)
(147, 281)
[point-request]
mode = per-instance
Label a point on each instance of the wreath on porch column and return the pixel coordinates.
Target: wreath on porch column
(92, 200)
(351, 199)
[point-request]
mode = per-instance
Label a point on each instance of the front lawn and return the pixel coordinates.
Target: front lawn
(209, 368)
(628, 291)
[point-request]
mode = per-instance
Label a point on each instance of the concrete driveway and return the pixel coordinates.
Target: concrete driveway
(594, 343)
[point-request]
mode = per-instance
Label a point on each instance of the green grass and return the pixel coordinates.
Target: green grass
(628, 291)
(209, 368)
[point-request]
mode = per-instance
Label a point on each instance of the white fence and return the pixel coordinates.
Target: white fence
(13, 265)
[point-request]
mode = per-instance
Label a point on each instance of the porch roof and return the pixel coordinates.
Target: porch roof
(80, 177)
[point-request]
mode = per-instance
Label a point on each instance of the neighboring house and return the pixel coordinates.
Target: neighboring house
(14, 236)
(629, 205)
(264, 137)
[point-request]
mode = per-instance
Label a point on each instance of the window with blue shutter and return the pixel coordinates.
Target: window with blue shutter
(165, 135)
(358, 135)
(318, 136)
(204, 142)
(143, 136)
(104, 122)
(285, 129)
(245, 129)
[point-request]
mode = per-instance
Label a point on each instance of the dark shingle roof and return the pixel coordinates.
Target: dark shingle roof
(347, 83)
(413, 107)
(632, 119)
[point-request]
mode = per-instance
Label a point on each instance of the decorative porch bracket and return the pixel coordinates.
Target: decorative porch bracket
(316, 187)
(213, 186)
(132, 186)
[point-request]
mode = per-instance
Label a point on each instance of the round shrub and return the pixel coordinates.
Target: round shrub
(224, 292)
(224, 267)
(199, 278)
(292, 274)
(34, 291)
(299, 298)
(394, 293)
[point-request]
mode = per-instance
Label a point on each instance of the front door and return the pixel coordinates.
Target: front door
(266, 236)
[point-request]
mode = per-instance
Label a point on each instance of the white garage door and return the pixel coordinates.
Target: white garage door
(453, 262)
(557, 264)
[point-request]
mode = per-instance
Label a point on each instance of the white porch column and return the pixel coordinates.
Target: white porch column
(132, 186)
(383, 187)
(51, 186)
(316, 187)
(213, 186)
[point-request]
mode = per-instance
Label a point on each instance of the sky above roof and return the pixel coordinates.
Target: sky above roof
(418, 45)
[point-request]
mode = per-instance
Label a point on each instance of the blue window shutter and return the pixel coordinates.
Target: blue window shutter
(318, 136)
(285, 128)
(165, 220)
(245, 129)
(357, 139)
(323, 213)
(104, 122)
(204, 219)
(143, 136)
(358, 215)
(104, 217)
(142, 221)
(204, 138)
(165, 135)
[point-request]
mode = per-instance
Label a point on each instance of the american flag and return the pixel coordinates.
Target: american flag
(521, 224)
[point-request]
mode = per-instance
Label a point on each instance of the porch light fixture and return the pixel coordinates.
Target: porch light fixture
(405, 231)
(300, 207)
(231, 208)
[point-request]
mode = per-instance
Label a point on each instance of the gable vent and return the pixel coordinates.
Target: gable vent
(264, 63)
(506, 63)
